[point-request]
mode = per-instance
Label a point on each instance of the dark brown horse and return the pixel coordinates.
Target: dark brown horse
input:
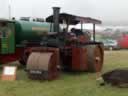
(117, 77)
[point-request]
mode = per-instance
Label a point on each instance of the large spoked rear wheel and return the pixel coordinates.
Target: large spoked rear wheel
(95, 56)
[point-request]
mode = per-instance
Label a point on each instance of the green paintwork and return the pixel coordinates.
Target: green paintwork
(11, 40)
(30, 31)
(7, 38)
(17, 33)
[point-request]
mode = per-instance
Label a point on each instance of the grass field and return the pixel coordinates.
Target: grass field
(84, 84)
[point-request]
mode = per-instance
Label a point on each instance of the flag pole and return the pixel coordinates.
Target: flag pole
(9, 8)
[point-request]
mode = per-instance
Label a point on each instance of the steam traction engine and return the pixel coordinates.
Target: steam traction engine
(70, 51)
(45, 48)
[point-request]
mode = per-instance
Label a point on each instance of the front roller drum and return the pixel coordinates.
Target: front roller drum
(95, 57)
(43, 65)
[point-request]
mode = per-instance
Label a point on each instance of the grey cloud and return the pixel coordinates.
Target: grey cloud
(109, 11)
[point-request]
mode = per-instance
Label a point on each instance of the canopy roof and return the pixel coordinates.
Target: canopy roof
(6, 20)
(73, 19)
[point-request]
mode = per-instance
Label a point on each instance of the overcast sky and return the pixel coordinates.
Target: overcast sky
(109, 11)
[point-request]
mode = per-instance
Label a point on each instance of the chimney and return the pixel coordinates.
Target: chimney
(56, 11)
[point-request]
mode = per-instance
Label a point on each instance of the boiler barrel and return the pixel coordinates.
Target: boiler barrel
(27, 31)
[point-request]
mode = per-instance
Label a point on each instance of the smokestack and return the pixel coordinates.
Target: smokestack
(56, 11)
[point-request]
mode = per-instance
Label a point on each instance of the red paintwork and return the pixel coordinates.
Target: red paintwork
(123, 42)
(11, 57)
(79, 61)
